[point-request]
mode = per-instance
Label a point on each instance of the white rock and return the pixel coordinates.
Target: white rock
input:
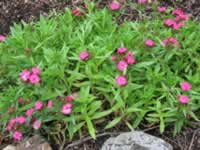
(136, 140)
(10, 147)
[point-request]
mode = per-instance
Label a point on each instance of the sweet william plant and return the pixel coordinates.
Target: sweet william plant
(67, 73)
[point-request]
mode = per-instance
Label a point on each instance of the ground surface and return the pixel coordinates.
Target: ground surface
(29, 10)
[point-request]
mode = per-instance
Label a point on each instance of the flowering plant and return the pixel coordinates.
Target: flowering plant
(65, 74)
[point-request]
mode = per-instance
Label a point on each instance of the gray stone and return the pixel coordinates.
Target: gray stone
(136, 140)
(34, 143)
(9, 147)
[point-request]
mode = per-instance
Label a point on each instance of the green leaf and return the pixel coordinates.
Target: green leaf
(113, 122)
(90, 127)
(101, 114)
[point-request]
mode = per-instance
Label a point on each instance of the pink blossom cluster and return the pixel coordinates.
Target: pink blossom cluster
(15, 123)
(178, 21)
(123, 60)
(162, 9)
(31, 76)
(77, 12)
(171, 41)
(185, 86)
(2, 38)
(67, 107)
(142, 1)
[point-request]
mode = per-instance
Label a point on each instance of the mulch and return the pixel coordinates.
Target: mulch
(12, 11)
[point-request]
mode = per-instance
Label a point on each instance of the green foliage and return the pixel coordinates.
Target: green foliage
(54, 43)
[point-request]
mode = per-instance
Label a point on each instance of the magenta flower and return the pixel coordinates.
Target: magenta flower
(113, 58)
(38, 105)
(121, 80)
(25, 74)
(84, 55)
(75, 95)
(37, 124)
(185, 86)
(182, 17)
(121, 50)
(2, 38)
(122, 65)
(142, 1)
(165, 41)
(169, 22)
(12, 121)
(36, 70)
(183, 99)
(34, 79)
(149, 43)
(69, 98)
(29, 112)
(172, 40)
(9, 127)
(17, 135)
(50, 104)
(130, 60)
(114, 5)
(20, 100)
(130, 53)
(176, 26)
(177, 12)
(67, 109)
(162, 9)
(21, 119)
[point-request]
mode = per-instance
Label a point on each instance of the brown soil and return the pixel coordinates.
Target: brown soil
(29, 10)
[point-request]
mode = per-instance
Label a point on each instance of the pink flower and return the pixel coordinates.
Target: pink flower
(113, 58)
(169, 22)
(121, 80)
(165, 41)
(50, 104)
(36, 70)
(25, 74)
(21, 119)
(69, 98)
(183, 99)
(37, 124)
(182, 17)
(20, 100)
(34, 79)
(186, 86)
(162, 8)
(149, 43)
(29, 112)
(122, 65)
(17, 135)
(75, 95)
(9, 127)
(130, 60)
(67, 109)
(2, 38)
(84, 55)
(142, 1)
(38, 105)
(177, 12)
(121, 50)
(130, 53)
(12, 121)
(77, 12)
(176, 26)
(114, 5)
(172, 40)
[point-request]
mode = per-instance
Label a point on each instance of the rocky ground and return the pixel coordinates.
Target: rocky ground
(29, 10)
